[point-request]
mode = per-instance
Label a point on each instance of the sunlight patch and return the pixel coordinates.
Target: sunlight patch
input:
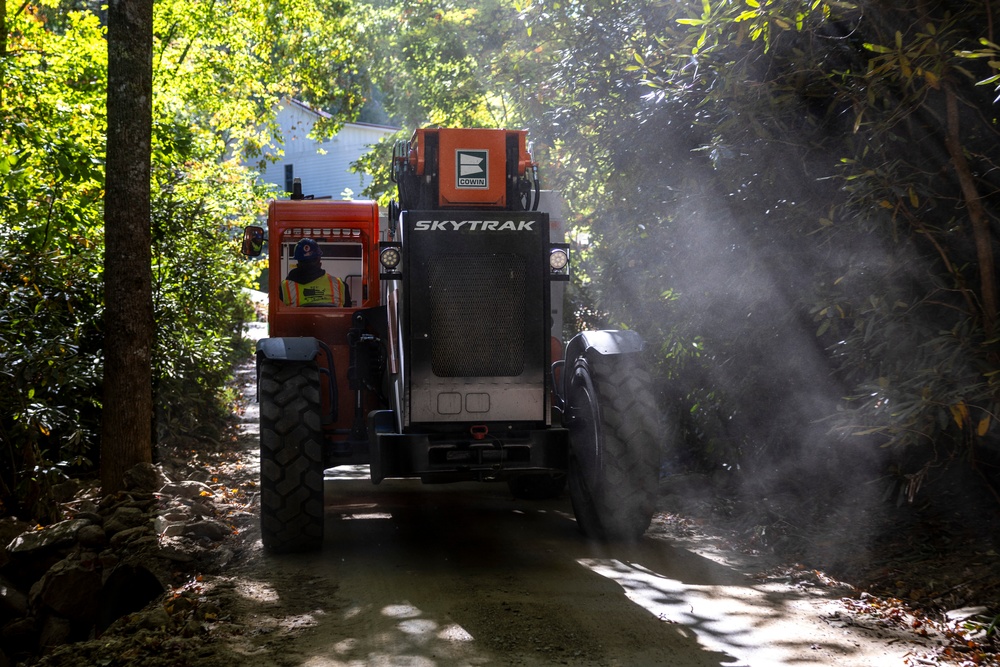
(346, 645)
(755, 623)
(300, 621)
(418, 626)
(257, 591)
(454, 633)
(404, 610)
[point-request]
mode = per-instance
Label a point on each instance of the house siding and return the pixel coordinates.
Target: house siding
(323, 166)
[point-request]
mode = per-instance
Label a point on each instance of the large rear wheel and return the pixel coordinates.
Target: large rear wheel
(291, 456)
(614, 457)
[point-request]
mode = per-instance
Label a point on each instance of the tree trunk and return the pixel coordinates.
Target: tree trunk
(977, 215)
(128, 313)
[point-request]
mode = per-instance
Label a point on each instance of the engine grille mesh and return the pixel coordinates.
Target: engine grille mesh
(477, 315)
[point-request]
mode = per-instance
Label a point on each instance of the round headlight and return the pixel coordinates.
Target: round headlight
(558, 259)
(389, 257)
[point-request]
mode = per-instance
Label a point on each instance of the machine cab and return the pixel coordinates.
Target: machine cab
(345, 231)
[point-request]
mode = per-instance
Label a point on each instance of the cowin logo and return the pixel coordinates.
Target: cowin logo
(472, 168)
(473, 225)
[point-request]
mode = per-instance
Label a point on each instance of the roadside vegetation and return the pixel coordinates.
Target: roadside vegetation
(210, 115)
(795, 202)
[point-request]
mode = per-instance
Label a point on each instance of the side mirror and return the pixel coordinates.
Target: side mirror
(253, 241)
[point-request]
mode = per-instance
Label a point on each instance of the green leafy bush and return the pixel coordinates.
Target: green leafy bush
(200, 309)
(51, 261)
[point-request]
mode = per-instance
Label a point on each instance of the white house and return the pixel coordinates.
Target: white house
(323, 166)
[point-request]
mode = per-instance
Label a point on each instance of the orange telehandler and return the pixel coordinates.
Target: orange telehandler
(446, 365)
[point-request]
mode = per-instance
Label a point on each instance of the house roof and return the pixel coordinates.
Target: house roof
(323, 114)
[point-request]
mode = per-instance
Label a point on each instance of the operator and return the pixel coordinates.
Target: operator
(308, 284)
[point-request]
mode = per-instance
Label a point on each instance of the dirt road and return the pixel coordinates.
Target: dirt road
(465, 575)
(455, 575)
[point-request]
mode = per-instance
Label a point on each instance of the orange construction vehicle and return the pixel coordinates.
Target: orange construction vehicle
(437, 356)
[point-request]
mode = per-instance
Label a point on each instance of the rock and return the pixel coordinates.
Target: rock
(71, 589)
(170, 522)
(92, 536)
(209, 528)
(144, 546)
(12, 601)
(155, 619)
(189, 489)
(125, 518)
(130, 535)
(171, 549)
(92, 514)
(108, 559)
(19, 635)
(144, 502)
(11, 528)
(143, 477)
(173, 530)
(178, 513)
(57, 534)
(55, 631)
(201, 509)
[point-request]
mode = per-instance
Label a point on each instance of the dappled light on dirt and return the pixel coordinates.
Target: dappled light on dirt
(256, 591)
(750, 622)
(395, 634)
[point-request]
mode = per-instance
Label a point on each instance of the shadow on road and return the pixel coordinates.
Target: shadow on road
(465, 575)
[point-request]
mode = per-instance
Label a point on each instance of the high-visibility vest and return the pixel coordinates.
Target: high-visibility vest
(325, 290)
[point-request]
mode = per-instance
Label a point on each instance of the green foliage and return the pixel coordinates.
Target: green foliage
(50, 158)
(434, 64)
(430, 60)
(221, 67)
(199, 307)
(50, 382)
(771, 193)
(219, 70)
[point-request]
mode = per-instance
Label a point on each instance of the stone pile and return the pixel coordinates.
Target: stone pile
(112, 557)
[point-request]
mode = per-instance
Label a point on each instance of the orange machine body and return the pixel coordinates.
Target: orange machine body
(472, 165)
(348, 231)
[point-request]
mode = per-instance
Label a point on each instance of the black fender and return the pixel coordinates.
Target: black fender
(605, 342)
(303, 348)
(288, 349)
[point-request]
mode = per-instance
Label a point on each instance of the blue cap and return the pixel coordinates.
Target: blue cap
(307, 250)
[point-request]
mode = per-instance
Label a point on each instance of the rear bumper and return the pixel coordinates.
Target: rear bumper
(446, 458)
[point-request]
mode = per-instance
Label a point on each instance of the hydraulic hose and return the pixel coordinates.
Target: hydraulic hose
(538, 187)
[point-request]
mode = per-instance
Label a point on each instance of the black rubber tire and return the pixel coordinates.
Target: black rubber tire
(537, 487)
(291, 457)
(614, 457)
